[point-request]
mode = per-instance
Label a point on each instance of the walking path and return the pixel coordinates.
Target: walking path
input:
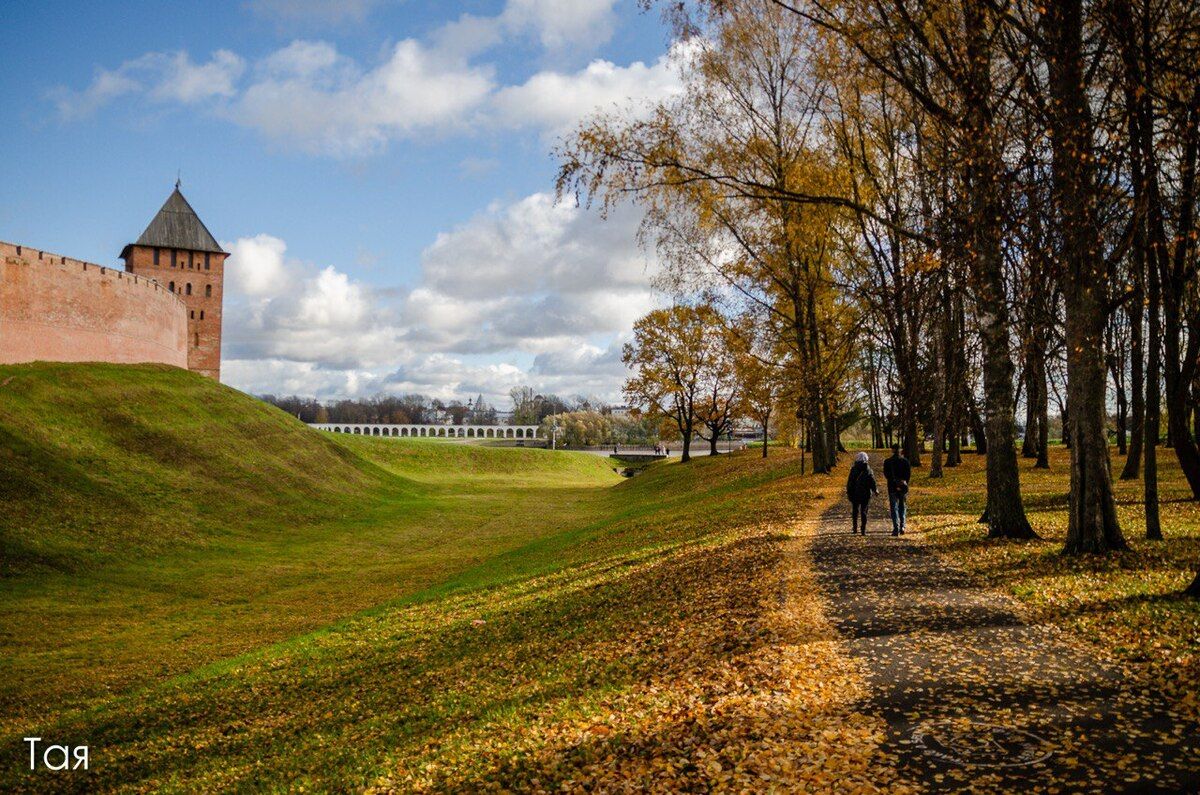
(976, 698)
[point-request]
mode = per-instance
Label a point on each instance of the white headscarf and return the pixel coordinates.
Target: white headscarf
(861, 458)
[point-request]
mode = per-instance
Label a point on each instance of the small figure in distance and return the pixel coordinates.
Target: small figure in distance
(860, 485)
(897, 471)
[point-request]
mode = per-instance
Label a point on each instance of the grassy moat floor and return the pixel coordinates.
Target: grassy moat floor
(210, 596)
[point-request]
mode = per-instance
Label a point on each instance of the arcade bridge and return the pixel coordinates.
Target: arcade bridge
(430, 431)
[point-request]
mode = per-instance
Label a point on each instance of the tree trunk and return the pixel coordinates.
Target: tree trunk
(1066, 421)
(1179, 366)
(1137, 414)
(977, 428)
(832, 442)
(1038, 396)
(1043, 459)
(1153, 410)
(983, 170)
(1122, 411)
(1029, 443)
(1139, 114)
(1092, 524)
(935, 464)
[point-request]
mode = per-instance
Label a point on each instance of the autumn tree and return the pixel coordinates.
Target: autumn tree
(672, 359)
(761, 374)
(718, 170)
(720, 390)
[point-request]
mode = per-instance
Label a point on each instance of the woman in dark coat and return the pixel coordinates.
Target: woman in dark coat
(860, 485)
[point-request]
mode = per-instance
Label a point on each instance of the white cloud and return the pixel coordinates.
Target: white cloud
(161, 76)
(186, 82)
(557, 101)
(301, 59)
(558, 25)
(536, 244)
(255, 265)
(531, 275)
(529, 292)
(309, 96)
(105, 87)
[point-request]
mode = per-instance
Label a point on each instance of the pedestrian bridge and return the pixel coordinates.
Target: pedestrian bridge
(431, 431)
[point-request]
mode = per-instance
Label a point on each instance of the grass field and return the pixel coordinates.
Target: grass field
(210, 595)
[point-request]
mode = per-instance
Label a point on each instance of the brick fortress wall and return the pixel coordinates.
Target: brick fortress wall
(54, 308)
(197, 279)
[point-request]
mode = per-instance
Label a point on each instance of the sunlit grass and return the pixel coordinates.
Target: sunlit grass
(418, 615)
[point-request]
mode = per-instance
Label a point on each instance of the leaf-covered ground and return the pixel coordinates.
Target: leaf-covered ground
(977, 695)
(1127, 603)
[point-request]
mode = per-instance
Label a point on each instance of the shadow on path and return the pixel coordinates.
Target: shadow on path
(974, 697)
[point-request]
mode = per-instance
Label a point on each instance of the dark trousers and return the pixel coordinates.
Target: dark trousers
(859, 509)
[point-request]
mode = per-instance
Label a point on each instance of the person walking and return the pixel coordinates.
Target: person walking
(897, 471)
(860, 485)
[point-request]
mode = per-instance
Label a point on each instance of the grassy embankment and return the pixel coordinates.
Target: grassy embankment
(211, 595)
(1128, 602)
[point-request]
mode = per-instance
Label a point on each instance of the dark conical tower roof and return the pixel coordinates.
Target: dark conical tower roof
(178, 226)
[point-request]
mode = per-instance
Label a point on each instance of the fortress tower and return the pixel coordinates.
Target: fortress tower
(179, 252)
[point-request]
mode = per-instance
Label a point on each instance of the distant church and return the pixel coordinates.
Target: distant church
(165, 307)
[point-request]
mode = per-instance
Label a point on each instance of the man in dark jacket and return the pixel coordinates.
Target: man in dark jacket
(860, 485)
(897, 471)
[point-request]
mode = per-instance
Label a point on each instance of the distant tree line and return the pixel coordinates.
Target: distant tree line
(528, 408)
(411, 409)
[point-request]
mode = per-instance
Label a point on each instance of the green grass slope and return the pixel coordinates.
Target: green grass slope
(105, 462)
(508, 674)
(153, 521)
(346, 611)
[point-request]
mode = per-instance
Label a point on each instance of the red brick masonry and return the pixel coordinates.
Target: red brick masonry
(54, 308)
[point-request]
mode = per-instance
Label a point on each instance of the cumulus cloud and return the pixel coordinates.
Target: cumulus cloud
(527, 292)
(160, 76)
(532, 273)
(255, 265)
(537, 244)
(311, 97)
(557, 101)
(554, 23)
(558, 25)
(279, 307)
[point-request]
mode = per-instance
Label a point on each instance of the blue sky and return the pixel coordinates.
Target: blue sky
(379, 168)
